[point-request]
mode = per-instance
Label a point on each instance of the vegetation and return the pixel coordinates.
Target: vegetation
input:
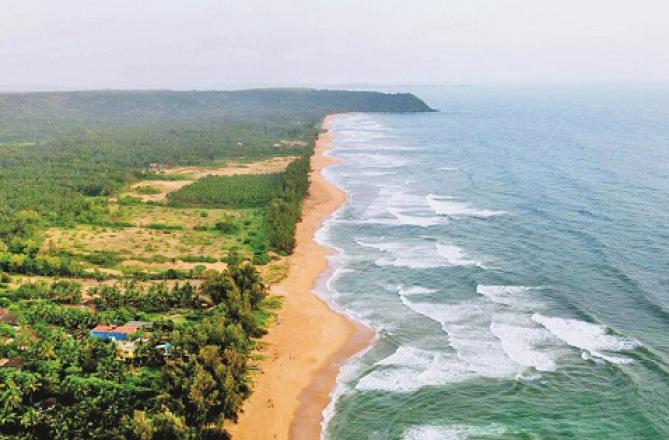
(147, 190)
(185, 378)
(285, 209)
(157, 298)
(78, 250)
(240, 191)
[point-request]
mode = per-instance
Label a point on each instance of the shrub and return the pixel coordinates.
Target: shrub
(147, 190)
(227, 225)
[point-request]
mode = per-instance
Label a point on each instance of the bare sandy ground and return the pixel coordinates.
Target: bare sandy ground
(306, 346)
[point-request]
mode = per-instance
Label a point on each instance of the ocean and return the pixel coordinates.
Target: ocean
(512, 253)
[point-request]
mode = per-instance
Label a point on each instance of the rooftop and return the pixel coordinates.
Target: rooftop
(7, 317)
(11, 363)
(125, 329)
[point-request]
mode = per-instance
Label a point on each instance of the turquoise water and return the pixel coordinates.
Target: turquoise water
(512, 253)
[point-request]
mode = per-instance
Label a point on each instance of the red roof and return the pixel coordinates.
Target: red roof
(11, 363)
(7, 317)
(126, 329)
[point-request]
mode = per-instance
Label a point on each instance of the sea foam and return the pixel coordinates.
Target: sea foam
(455, 256)
(409, 369)
(506, 295)
(425, 255)
(467, 326)
(414, 290)
(454, 432)
(446, 205)
(593, 338)
(520, 344)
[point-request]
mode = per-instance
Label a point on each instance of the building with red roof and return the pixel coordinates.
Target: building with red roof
(115, 332)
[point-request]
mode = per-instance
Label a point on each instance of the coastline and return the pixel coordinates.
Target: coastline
(309, 341)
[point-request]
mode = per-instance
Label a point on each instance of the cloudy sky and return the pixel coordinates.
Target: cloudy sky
(201, 44)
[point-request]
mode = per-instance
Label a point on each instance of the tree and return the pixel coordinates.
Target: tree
(219, 286)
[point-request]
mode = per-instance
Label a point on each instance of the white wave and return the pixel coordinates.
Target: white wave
(468, 328)
(346, 374)
(414, 220)
(409, 357)
(375, 160)
(374, 221)
(330, 283)
(411, 209)
(435, 433)
(368, 147)
(520, 344)
(377, 210)
(411, 263)
(506, 295)
(410, 368)
(420, 256)
(448, 169)
(593, 338)
(404, 255)
(445, 369)
(414, 290)
(456, 256)
(453, 432)
(396, 380)
(383, 246)
(396, 207)
(371, 173)
(371, 123)
(444, 205)
(400, 198)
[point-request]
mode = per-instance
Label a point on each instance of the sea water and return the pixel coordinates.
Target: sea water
(512, 253)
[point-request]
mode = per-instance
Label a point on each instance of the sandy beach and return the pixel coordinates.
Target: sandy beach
(309, 341)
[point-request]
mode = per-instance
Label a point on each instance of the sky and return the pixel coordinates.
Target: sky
(214, 44)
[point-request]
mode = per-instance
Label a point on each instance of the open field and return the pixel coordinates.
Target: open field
(183, 176)
(163, 238)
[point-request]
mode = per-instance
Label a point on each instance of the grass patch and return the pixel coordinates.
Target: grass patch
(239, 191)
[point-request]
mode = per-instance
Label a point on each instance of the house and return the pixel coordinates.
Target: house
(46, 405)
(126, 349)
(14, 363)
(140, 324)
(158, 166)
(114, 332)
(7, 318)
(164, 348)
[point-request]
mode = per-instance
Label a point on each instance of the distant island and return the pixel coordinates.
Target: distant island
(141, 235)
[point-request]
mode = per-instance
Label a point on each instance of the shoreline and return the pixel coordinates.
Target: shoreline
(299, 372)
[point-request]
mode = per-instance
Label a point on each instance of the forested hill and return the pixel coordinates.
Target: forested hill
(134, 106)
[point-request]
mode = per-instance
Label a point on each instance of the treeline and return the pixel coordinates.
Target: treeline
(61, 291)
(48, 265)
(184, 381)
(238, 191)
(156, 298)
(79, 109)
(285, 209)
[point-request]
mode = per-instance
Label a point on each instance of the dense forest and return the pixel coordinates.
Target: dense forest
(43, 114)
(179, 281)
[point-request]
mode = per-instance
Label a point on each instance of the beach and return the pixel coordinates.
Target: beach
(304, 349)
